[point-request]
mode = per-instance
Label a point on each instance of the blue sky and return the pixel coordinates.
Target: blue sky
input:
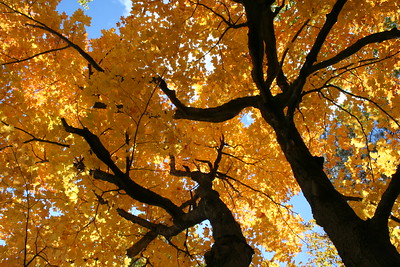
(105, 14)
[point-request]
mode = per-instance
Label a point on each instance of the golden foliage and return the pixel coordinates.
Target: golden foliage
(51, 212)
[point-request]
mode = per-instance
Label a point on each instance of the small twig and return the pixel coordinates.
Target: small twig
(41, 25)
(36, 55)
(362, 130)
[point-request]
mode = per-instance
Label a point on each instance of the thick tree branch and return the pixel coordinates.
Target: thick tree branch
(95, 144)
(104, 176)
(352, 198)
(305, 70)
(136, 248)
(274, 67)
(331, 20)
(221, 113)
(189, 219)
(142, 222)
(139, 193)
(120, 179)
(173, 171)
(191, 202)
(354, 48)
(217, 161)
(260, 24)
(385, 205)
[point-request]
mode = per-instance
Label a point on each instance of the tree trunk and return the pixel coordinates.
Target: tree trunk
(359, 243)
(230, 247)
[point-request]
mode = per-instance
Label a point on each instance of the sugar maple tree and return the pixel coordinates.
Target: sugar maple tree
(196, 110)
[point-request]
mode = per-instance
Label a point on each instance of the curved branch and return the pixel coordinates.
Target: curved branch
(361, 127)
(226, 177)
(229, 22)
(120, 179)
(221, 113)
(217, 161)
(35, 55)
(70, 43)
(292, 41)
(351, 68)
(354, 48)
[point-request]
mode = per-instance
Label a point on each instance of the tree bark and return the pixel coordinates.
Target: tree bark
(359, 243)
(230, 247)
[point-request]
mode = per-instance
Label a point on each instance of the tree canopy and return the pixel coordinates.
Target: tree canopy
(178, 137)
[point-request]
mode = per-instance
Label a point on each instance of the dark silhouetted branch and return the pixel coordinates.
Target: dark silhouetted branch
(142, 222)
(70, 43)
(221, 113)
(260, 25)
(36, 55)
(393, 218)
(331, 19)
(188, 220)
(141, 244)
(311, 57)
(354, 48)
(33, 138)
(120, 179)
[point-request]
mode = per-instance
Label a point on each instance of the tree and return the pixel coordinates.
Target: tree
(131, 141)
